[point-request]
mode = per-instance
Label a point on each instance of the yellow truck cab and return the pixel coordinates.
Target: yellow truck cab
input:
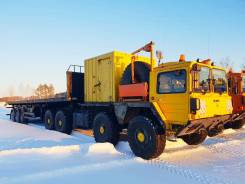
(193, 95)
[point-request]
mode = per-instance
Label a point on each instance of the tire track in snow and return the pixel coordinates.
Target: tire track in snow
(65, 171)
(177, 170)
(228, 147)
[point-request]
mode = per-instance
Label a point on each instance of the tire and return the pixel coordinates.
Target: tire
(105, 129)
(49, 120)
(22, 117)
(63, 122)
(12, 115)
(143, 138)
(196, 138)
(141, 73)
(238, 124)
(216, 131)
(17, 116)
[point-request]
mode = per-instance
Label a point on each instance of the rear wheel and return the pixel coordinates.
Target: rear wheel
(22, 116)
(49, 120)
(17, 115)
(196, 138)
(216, 130)
(63, 122)
(105, 129)
(144, 140)
(238, 124)
(12, 115)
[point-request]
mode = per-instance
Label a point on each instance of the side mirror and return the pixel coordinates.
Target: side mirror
(159, 56)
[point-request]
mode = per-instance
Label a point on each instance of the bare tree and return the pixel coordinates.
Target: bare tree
(226, 63)
(243, 65)
(45, 91)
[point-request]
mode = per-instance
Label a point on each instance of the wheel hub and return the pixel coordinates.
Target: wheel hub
(49, 121)
(102, 130)
(60, 123)
(140, 137)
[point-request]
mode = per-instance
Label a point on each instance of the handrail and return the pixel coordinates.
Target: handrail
(72, 68)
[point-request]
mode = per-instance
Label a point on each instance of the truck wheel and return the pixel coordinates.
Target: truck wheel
(195, 138)
(49, 120)
(17, 116)
(216, 130)
(144, 140)
(105, 130)
(141, 73)
(12, 115)
(238, 124)
(22, 117)
(63, 122)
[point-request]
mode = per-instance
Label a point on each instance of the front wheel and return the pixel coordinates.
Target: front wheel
(144, 140)
(196, 138)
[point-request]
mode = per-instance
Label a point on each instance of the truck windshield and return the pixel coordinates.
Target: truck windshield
(219, 81)
(243, 84)
(201, 80)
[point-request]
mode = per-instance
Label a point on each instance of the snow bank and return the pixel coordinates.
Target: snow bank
(102, 148)
(31, 154)
(44, 150)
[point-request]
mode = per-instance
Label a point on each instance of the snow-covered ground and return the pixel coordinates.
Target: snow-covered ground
(31, 154)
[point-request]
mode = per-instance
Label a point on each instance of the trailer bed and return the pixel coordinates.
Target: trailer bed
(40, 101)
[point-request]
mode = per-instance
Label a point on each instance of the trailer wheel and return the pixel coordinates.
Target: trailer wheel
(144, 140)
(141, 73)
(17, 116)
(49, 120)
(22, 117)
(63, 122)
(105, 130)
(238, 124)
(196, 138)
(12, 115)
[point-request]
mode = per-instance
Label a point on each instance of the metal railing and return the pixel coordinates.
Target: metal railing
(75, 68)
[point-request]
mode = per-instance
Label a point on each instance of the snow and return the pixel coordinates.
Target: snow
(32, 154)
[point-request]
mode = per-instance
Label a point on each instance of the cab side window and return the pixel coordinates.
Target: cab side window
(171, 82)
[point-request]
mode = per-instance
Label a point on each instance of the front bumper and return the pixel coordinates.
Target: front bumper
(195, 126)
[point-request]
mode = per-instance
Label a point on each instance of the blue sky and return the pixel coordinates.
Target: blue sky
(39, 39)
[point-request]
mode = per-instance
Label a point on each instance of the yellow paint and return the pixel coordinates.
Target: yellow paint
(103, 74)
(175, 108)
(141, 137)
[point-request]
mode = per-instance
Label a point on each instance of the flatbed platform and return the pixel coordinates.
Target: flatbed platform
(40, 101)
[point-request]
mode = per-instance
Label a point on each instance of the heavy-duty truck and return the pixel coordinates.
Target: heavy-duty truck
(120, 92)
(236, 83)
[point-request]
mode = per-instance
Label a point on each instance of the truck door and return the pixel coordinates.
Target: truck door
(221, 98)
(201, 89)
(170, 91)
